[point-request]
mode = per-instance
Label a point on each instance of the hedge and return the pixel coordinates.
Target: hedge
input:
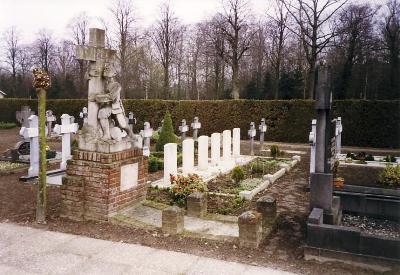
(366, 123)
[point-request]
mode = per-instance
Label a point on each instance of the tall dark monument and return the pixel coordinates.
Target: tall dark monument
(321, 189)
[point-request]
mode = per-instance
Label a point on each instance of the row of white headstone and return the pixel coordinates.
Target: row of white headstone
(313, 139)
(31, 133)
(230, 151)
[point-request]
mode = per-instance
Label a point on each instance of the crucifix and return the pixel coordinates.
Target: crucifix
(97, 55)
(263, 128)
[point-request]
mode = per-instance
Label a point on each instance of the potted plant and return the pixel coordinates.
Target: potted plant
(338, 182)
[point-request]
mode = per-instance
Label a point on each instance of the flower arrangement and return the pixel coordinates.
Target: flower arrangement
(183, 186)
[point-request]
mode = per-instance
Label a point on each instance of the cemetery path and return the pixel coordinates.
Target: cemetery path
(24, 249)
(282, 250)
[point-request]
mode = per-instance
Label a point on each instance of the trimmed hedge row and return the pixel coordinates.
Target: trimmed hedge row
(365, 123)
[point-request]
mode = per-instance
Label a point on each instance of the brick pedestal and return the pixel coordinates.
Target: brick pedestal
(250, 229)
(97, 185)
(266, 205)
(172, 220)
(197, 204)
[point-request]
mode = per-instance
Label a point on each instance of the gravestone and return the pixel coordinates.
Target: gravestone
(170, 162)
(226, 145)
(146, 134)
(187, 156)
(66, 128)
(131, 120)
(84, 115)
(236, 142)
(105, 173)
(252, 133)
(203, 153)
(31, 133)
(50, 119)
(312, 139)
(262, 128)
(215, 148)
(321, 180)
(196, 125)
(23, 116)
(183, 129)
(338, 133)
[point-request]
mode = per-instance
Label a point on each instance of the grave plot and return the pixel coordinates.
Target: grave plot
(355, 240)
(365, 159)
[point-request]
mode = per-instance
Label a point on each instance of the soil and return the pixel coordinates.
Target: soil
(283, 248)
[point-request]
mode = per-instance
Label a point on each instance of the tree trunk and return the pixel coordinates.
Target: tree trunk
(42, 192)
(235, 81)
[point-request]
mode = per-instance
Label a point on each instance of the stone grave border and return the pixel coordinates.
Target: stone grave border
(375, 163)
(326, 242)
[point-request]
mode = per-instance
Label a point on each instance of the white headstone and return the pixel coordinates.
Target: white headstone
(203, 153)
(236, 142)
(65, 129)
(252, 133)
(32, 134)
(339, 129)
(84, 115)
(187, 156)
(215, 148)
(170, 162)
(313, 139)
(226, 145)
(50, 118)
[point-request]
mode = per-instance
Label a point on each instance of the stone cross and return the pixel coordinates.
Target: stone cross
(23, 115)
(97, 55)
(321, 180)
(84, 115)
(312, 139)
(131, 120)
(50, 118)
(31, 133)
(252, 133)
(146, 134)
(196, 125)
(262, 128)
(338, 133)
(66, 128)
(183, 129)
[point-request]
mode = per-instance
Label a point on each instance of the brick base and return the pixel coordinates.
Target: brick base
(91, 187)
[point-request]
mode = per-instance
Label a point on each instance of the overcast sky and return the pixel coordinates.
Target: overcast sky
(29, 16)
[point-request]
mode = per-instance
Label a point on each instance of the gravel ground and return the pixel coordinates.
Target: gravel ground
(373, 226)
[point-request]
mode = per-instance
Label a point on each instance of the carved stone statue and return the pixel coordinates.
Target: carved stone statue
(111, 111)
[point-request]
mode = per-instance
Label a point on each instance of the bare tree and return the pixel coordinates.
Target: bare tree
(233, 24)
(12, 47)
(391, 35)
(165, 36)
(79, 27)
(278, 32)
(312, 17)
(44, 49)
(354, 41)
(124, 19)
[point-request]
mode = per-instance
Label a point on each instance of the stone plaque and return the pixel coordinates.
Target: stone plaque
(129, 176)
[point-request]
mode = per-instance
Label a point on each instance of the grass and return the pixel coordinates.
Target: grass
(7, 125)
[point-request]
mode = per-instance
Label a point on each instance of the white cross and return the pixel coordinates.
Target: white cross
(312, 138)
(146, 134)
(66, 129)
(196, 125)
(31, 133)
(50, 118)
